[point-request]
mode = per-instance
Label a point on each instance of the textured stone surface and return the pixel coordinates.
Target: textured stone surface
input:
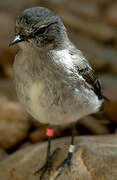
(3, 155)
(105, 33)
(6, 53)
(95, 159)
(111, 14)
(7, 89)
(14, 123)
(109, 86)
(95, 125)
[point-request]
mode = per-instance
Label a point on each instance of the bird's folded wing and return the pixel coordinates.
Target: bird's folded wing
(88, 74)
(91, 81)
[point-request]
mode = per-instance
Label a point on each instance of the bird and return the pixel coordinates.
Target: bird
(54, 81)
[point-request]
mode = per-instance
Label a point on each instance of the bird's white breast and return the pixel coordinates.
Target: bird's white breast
(37, 95)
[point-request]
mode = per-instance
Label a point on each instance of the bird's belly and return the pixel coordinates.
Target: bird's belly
(57, 109)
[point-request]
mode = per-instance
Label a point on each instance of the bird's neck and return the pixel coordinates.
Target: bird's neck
(62, 41)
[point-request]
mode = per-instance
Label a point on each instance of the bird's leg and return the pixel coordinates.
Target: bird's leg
(49, 158)
(67, 162)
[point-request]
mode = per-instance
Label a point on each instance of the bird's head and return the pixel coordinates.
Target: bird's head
(38, 27)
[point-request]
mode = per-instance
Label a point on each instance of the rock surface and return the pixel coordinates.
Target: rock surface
(14, 123)
(95, 158)
(3, 154)
(95, 125)
(111, 14)
(6, 53)
(110, 90)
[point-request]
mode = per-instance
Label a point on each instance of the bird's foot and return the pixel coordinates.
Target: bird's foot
(47, 167)
(65, 164)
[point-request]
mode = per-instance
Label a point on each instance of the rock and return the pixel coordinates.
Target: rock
(6, 35)
(95, 158)
(110, 110)
(111, 14)
(94, 125)
(109, 86)
(14, 123)
(24, 145)
(105, 33)
(7, 89)
(14, 8)
(7, 28)
(109, 89)
(104, 139)
(113, 68)
(3, 155)
(38, 134)
(85, 9)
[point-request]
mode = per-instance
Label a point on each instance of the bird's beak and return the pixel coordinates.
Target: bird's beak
(17, 39)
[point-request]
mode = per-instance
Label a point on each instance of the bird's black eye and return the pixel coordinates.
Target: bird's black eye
(40, 31)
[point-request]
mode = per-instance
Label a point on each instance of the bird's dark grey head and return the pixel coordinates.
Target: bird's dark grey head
(38, 26)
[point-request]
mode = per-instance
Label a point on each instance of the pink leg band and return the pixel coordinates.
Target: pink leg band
(49, 132)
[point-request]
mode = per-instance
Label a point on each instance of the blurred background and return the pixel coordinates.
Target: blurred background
(92, 27)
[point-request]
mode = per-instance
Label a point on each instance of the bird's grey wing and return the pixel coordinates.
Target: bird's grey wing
(84, 69)
(91, 80)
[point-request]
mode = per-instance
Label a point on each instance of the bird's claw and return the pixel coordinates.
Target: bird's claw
(47, 167)
(65, 164)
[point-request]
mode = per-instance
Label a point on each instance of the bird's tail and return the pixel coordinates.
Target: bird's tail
(105, 98)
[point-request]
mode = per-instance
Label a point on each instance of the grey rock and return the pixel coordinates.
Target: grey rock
(95, 158)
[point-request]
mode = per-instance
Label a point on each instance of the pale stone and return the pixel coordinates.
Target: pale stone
(95, 158)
